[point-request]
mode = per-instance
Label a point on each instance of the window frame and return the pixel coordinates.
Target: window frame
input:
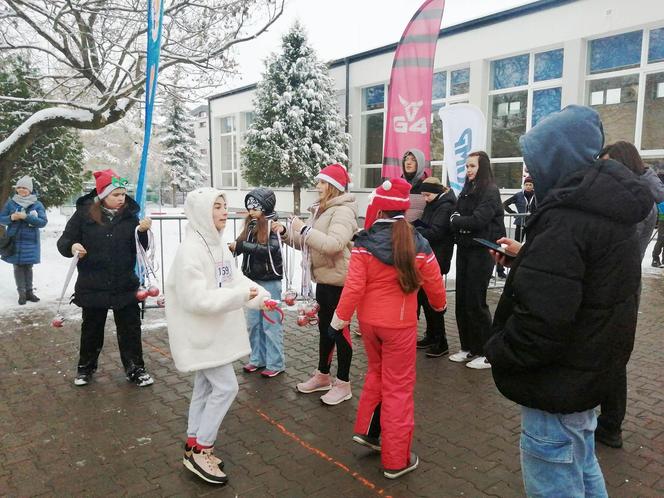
(365, 166)
(643, 70)
(531, 87)
(235, 169)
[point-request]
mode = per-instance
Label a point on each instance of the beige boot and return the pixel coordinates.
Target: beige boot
(340, 392)
(318, 382)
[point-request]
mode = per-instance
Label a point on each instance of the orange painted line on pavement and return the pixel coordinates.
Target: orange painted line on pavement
(320, 453)
(357, 476)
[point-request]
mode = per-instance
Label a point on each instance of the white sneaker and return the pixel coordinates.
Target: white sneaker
(479, 363)
(461, 356)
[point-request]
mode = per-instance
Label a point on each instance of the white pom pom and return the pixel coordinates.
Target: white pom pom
(387, 185)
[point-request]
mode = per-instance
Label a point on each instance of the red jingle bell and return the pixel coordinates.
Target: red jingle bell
(290, 297)
(58, 322)
(302, 320)
(141, 294)
(153, 291)
(311, 312)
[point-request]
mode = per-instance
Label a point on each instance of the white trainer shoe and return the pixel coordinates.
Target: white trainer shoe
(461, 357)
(479, 363)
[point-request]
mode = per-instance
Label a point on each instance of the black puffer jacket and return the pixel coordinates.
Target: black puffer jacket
(438, 231)
(567, 315)
(481, 216)
(106, 275)
(256, 263)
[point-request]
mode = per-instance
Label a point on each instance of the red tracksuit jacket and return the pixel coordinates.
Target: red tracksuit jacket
(372, 286)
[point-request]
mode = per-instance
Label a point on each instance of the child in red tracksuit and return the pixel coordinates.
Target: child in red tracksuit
(388, 264)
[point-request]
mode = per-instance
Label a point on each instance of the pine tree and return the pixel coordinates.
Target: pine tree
(297, 128)
(54, 160)
(182, 157)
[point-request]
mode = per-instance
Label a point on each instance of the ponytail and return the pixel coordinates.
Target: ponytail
(260, 229)
(403, 252)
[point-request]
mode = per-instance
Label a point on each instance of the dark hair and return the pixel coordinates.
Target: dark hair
(259, 229)
(627, 154)
(484, 176)
(403, 252)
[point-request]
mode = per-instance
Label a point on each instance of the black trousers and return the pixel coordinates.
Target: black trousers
(23, 278)
(474, 267)
(128, 325)
(614, 405)
(328, 297)
(435, 320)
(659, 245)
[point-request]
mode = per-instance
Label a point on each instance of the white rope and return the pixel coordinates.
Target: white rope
(145, 259)
(70, 273)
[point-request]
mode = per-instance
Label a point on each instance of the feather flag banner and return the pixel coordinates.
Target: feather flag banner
(155, 17)
(409, 94)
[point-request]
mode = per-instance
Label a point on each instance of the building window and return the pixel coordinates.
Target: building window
(615, 52)
(449, 88)
(510, 72)
(371, 145)
(246, 121)
(549, 65)
(202, 124)
(621, 74)
(228, 155)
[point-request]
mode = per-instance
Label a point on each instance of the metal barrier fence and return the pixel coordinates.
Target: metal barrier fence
(166, 238)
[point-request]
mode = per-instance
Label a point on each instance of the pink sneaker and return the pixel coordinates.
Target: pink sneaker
(250, 367)
(319, 382)
(271, 373)
(340, 392)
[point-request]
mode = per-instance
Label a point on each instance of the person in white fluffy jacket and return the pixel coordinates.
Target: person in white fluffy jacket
(206, 325)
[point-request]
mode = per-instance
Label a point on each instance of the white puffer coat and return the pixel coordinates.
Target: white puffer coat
(206, 324)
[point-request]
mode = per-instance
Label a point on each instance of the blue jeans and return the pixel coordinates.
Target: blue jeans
(558, 455)
(266, 339)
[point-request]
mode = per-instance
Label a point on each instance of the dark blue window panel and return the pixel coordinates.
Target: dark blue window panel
(374, 97)
(616, 52)
(460, 81)
(439, 90)
(510, 72)
(656, 46)
(549, 65)
(545, 102)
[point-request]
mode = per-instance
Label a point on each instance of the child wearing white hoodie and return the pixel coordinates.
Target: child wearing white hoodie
(206, 326)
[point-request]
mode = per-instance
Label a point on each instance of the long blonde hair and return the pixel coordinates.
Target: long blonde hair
(330, 193)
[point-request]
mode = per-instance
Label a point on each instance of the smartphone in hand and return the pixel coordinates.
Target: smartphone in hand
(495, 247)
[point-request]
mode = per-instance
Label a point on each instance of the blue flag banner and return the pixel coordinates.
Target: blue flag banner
(155, 16)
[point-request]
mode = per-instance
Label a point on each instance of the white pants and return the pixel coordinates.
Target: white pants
(214, 392)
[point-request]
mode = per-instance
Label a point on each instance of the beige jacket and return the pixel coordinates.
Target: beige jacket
(329, 239)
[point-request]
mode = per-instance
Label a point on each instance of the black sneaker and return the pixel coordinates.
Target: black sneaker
(437, 350)
(368, 441)
(30, 296)
(655, 263)
(140, 377)
(413, 462)
(608, 438)
(82, 379)
(22, 298)
(502, 275)
(425, 342)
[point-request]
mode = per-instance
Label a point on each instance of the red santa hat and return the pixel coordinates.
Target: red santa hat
(106, 181)
(392, 195)
(336, 175)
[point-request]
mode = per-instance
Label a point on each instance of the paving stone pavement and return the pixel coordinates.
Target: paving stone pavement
(113, 439)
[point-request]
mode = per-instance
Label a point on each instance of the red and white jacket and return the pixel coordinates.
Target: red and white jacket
(372, 285)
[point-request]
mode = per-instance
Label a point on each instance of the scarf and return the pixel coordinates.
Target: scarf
(25, 202)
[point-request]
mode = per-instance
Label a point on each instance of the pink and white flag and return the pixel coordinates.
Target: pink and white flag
(409, 93)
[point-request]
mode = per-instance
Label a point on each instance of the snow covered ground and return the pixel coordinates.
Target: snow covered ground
(49, 276)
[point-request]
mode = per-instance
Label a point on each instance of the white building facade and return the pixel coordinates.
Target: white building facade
(201, 128)
(517, 66)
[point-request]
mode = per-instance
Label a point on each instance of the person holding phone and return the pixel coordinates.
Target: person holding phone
(567, 316)
(479, 214)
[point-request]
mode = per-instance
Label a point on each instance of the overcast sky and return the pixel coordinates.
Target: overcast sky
(338, 28)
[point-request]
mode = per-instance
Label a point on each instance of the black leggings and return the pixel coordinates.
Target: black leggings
(328, 298)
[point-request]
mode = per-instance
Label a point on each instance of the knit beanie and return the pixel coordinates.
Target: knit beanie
(392, 195)
(262, 199)
(106, 181)
(336, 175)
(432, 185)
(25, 182)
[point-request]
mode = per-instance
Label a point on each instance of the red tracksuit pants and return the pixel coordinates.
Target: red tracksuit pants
(388, 391)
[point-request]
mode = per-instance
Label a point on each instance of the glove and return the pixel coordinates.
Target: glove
(333, 333)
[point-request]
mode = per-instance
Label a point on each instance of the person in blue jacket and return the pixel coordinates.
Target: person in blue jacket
(24, 215)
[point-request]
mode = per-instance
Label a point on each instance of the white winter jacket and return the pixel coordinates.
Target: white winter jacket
(206, 324)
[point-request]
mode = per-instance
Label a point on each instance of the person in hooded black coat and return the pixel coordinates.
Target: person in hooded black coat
(101, 231)
(479, 214)
(434, 225)
(567, 316)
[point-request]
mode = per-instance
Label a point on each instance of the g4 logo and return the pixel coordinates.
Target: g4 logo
(407, 123)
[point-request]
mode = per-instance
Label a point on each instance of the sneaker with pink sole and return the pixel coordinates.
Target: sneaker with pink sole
(250, 368)
(339, 393)
(318, 382)
(270, 373)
